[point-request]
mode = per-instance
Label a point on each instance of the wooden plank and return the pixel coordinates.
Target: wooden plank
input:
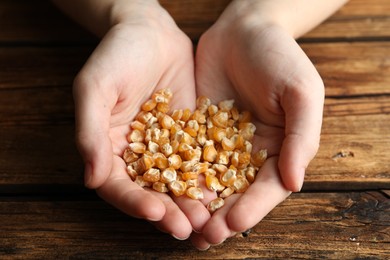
(35, 22)
(350, 69)
(39, 155)
(305, 226)
(29, 67)
(40, 22)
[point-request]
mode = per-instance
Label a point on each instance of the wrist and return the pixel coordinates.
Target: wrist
(137, 12)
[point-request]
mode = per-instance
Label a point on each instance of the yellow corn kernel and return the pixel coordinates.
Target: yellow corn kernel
(163, 107)
(153, 147)
(192, 183)
(212, 110)
(212, 183)
(238, 141)
(168, 175)
(227, 144)
(192, 132)
(227, 178)
(147, 162)
(144, 117)
(192, 154)
(220, 168)
(259, 158)
(177, 187)
(136, 136)
(141, 182)
(137, 125)
(234, 159)
(219, 134)
(189, 175)
(245, 117)
(199, 117)
(210, 171)
(235, 114)
(240, 184)
(175, 146)
(226, 192)
(160, 161)
(220, 119)
(166, 121)
(162, 96)
(131, 172)
(226, 105)
(195, 193)
(186, 115)
(129, 156)
(149, 105)
(250, 174)
(247, 130)
(175, 129)
(138, 147)
(201, 139)
(187, 166)
(215, 204)
(247, 147)
(160, 187)
(209, 151)
(177, 114)
(174, 161)
(223, 158)
(152, 175)
(166, 149)
(244, 159)
(202, 103)
(200, 167)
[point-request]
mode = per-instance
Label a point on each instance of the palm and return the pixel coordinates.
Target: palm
(130, 64)
(257, 70)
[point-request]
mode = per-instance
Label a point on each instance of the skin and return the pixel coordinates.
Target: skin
(249, 54)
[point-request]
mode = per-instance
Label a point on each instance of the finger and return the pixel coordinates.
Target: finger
(217, 230)
(303, 107)
(127, 196)
(92, 112)
(261, 197)
(174, 221)
(199, 242)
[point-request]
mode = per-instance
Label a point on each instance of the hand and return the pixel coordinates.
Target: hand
(259, 64)
(137, 56)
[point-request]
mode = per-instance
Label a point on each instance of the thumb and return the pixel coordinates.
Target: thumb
(92, 112)
(303, 108)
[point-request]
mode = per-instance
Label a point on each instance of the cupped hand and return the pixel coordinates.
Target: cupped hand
(260, 65)
(136, 57)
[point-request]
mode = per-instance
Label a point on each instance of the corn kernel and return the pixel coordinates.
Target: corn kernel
(137, 125)
(163, 107)
(228, 144)
(215, 204)
(226, 192)
(149, 105)
(189, 175)
(141, 182)
(160, 187)
(174, 161)
(160, 161)
(212, 183)
(240, 184)
(227, 178)
(131, 172)
(177, 187)
(209, 152)
(129, 156)
(226, 105)
(168, 175)
(138, 147)
(195, 193)
(152, 175)
(259, 158)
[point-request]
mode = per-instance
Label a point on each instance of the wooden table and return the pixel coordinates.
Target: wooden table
(343, 211)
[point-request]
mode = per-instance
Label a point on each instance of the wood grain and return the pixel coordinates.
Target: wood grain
(307, 225)
(39, 22)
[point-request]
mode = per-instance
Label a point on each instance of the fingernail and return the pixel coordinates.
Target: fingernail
(204, 249)
(179, 238)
